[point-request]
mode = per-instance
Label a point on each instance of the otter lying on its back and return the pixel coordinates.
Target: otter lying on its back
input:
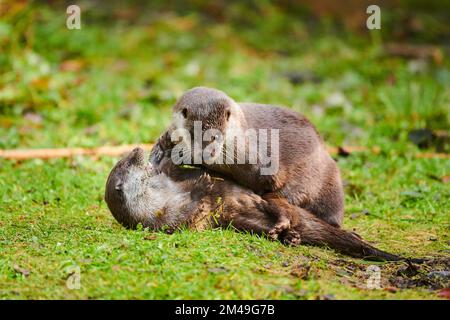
(137, 193)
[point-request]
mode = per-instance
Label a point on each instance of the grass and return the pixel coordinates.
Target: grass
(114, 83)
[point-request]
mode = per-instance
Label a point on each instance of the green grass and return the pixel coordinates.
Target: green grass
(52, 213)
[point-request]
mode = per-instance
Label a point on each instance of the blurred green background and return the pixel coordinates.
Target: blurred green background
(114, 81)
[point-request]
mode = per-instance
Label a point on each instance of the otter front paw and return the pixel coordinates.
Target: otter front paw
(165, 141)
(202, 187)
(161, 149)
(156, 155)
(282, 225)
(292, 238)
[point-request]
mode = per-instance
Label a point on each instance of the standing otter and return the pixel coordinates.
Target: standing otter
(307, 177)
(137, 193)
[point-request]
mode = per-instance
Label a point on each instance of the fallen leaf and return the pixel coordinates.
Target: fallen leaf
(409, 51)
(40, 83)
(23, 271)
(291, 290)
(129, 13)
(72, 65)
(444, 293)
(446, 179)
(300, 271)
(119, 65)
(409, 271)
(217, 270)
(33, 117)
(390, 289)
(150, 237)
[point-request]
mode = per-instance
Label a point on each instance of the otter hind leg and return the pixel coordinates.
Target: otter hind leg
(329, 206)
(291, 238)
(325, 202)
(279, 208)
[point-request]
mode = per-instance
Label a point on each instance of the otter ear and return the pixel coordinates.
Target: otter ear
(184, 112)
(119, 185)
(227, 110)
(228, 114)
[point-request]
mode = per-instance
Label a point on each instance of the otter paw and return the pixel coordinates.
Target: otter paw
(292, 238)
(282, 225)
(205, 181)
(165, 141)
(156, 155)
(203, 186)
(162, 148)
(273, 234)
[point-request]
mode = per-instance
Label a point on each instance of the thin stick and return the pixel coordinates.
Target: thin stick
(114, 151)
(111, 151)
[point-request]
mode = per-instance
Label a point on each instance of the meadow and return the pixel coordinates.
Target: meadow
(114, 82)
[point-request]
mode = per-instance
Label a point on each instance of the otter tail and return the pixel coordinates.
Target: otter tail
(314, 231)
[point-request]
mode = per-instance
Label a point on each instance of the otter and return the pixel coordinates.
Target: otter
(172, 197)
(307, 177)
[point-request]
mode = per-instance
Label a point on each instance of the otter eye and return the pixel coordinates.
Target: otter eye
(119, 186)
(215, 137)
(184, 112)
(228, 114)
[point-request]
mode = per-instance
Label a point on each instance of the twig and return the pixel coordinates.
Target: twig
(415, 51)
(111, 151)
(114, 151)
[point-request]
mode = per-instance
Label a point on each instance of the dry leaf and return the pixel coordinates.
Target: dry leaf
(300, 271)
(150, 237)
(444, 293)
(72, 65)
(23, 271)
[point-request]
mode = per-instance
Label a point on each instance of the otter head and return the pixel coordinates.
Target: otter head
(126, 187)
(207, 110)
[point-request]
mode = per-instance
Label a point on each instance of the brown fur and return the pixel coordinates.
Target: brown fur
(134, 190)
(307, 178)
